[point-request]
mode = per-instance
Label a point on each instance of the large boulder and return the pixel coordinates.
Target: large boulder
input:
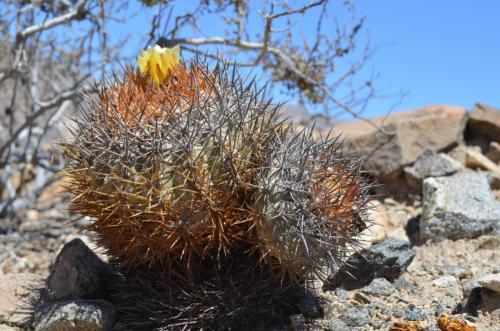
(435, 127)
(459, 206)
(484, 122)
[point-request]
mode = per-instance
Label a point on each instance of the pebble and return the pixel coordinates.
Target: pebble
(445, 281)
(379, 286)
(344, 294)
(445, 304)
(415, 314)
(337, 325)
(356, 317)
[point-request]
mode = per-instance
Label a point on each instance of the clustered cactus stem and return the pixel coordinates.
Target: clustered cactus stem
(193, 182)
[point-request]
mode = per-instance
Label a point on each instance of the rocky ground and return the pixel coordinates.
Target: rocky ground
(431, 261)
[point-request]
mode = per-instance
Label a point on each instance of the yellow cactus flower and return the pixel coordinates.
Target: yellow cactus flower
(158, 62)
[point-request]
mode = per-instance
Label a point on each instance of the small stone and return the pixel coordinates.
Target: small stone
(453, 270)
(446, 303)
(415, 314)
(398, 311)
(356, 317)
(75, 315)
(343, 294)
(78, 273)
(379, 286)
(337, 325)
(445, 281)
(490, 281)
(388, 259)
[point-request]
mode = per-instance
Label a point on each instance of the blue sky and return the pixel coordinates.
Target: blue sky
(445, 51)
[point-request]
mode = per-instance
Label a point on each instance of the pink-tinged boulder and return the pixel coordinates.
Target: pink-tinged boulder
(17, 293)
(484, 122)
(435, 127)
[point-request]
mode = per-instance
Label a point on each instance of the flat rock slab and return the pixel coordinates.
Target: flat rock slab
(459, 206)
(17, 293)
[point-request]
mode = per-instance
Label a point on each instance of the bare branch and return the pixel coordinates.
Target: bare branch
(73, 14)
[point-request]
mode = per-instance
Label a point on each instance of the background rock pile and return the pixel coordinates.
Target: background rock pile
(432, 262)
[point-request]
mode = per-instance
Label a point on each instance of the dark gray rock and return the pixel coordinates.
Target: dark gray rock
(75, 315)
(430, 164)
(77, 273)
(459, 206)
(387, 259)
(379, 286)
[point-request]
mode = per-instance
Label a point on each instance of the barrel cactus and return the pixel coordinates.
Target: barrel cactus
(187, 171)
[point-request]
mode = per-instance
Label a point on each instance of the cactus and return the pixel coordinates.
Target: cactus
(188, 172)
